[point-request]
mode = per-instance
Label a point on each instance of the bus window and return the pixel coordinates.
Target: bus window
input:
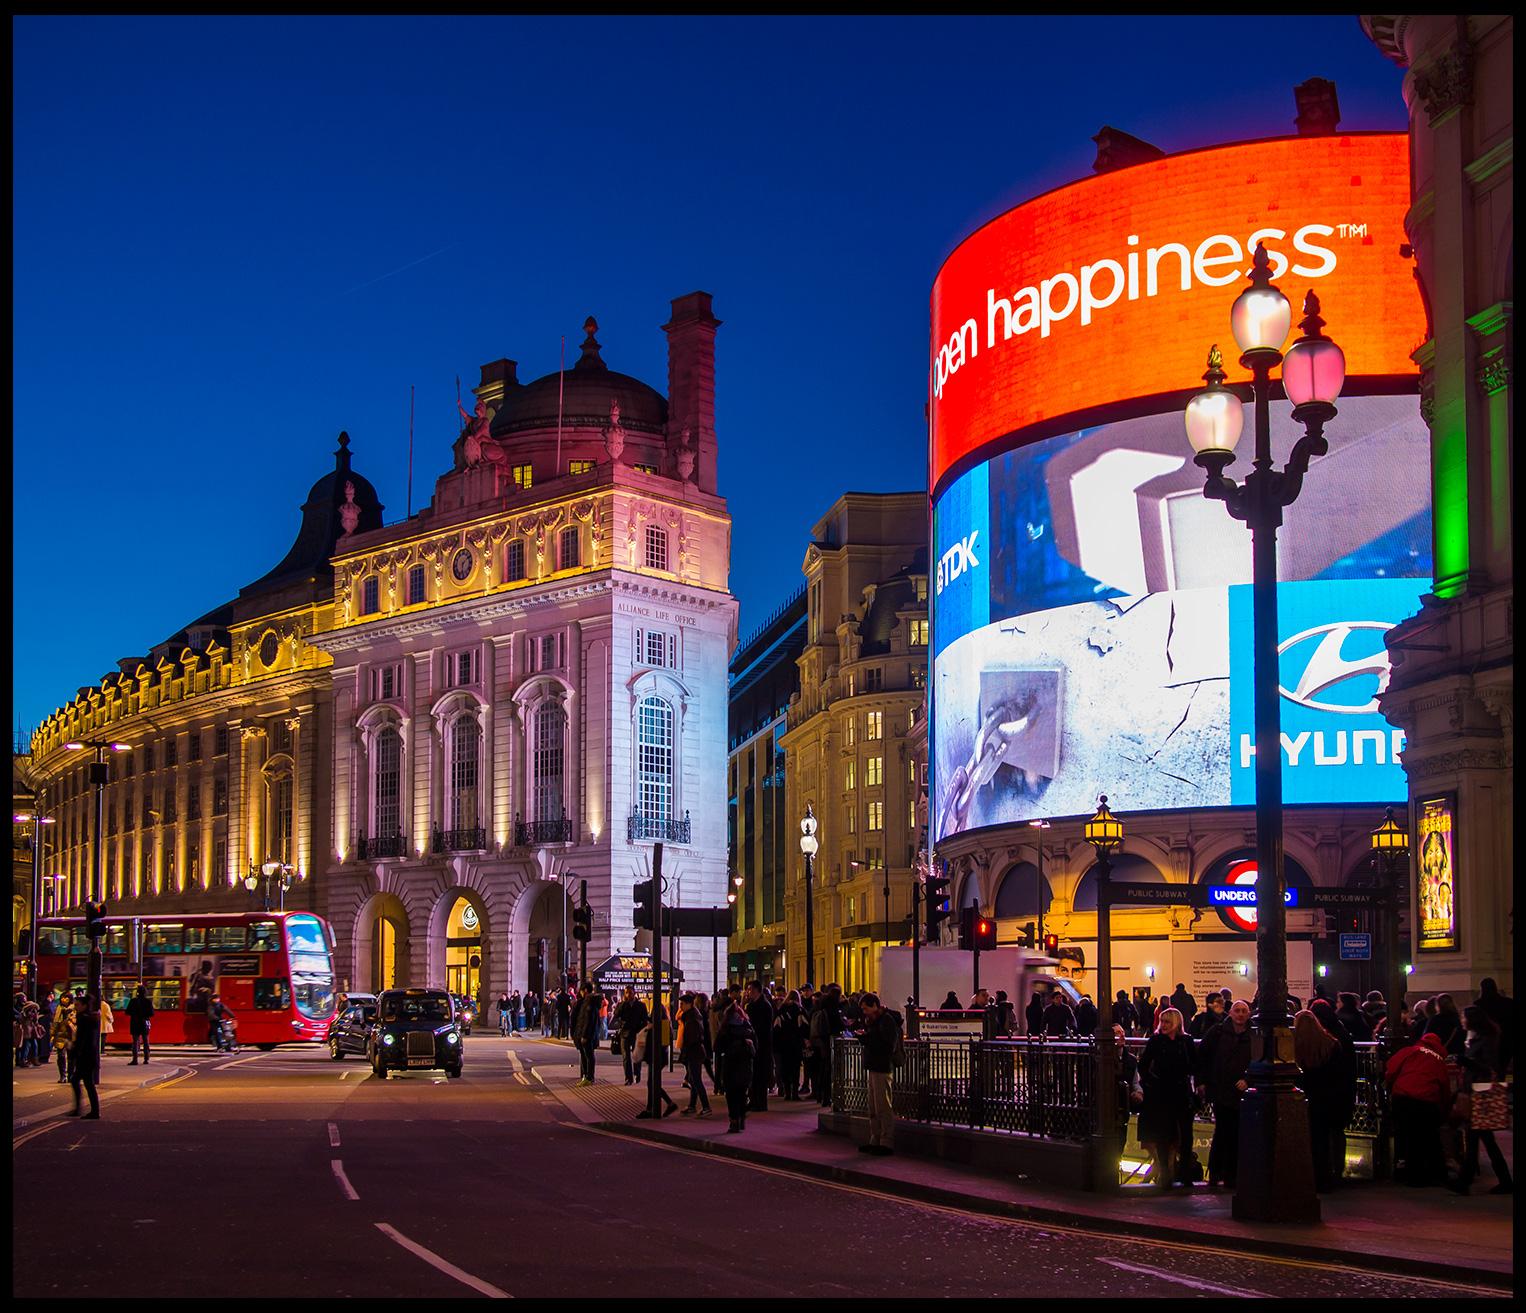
(118, 992)
(264, 937)
(314, 995)
(116, 941)
(272, 994)
(163, 939)
(195, 939)
(164, 994)
(225, 938)
(53, 941)
(79, 944)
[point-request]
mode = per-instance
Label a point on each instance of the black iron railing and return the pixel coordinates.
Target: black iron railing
(387, 845)
(469, 840)
(532, 834)
(668, 829)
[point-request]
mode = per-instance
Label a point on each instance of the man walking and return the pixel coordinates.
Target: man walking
(630, 1018)
(691, 1052)
(585, 1031)
(87, 1056)
(1224, 1057)
(140, 1012)
(881, 1040)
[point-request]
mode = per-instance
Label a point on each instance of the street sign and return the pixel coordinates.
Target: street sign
(1244, 895)
(1356, 948)
(939, 1023)
(1138, 891)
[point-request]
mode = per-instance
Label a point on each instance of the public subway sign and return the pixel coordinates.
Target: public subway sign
(1109, 291)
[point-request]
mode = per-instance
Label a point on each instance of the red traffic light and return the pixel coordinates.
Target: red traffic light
(1051, 943)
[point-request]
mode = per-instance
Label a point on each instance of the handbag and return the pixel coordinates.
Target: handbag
(1490, 1107)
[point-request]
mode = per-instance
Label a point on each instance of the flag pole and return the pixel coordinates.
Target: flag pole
(410, 452)
(561, 381)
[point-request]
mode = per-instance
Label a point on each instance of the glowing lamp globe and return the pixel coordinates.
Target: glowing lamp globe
(1314, 368)
(1215, 416)
(1261, 316)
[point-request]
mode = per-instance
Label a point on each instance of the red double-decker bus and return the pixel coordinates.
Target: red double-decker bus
(275, 970)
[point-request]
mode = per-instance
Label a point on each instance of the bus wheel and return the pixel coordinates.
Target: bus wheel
(264, 1048)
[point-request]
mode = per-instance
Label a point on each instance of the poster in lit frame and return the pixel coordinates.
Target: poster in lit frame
(1436, 874)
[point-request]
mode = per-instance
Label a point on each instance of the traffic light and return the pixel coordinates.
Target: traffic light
(1051, 944)
(985, 932)
(967, 917)
(936, 905)
(95, 920)
(1028, 939)
(582, 923)
(645, 895)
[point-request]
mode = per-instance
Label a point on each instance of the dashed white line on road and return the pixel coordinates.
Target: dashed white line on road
(344, 1181)
(344, 1075)
(522, 1078)
(435, 1261)
(513, 1058)
(1209, 1286)
(333, 1136)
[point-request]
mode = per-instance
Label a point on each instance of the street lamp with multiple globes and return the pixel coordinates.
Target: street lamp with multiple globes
(288, 875)
(95, 901)
(1276, 1180)
(38, 819)
(808, 847)
(1105, 833)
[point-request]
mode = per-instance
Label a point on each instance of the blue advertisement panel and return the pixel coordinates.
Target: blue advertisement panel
(1096, 636)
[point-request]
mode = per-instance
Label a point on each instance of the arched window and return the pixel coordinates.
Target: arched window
(548, 761)
(654, 759)
(465, 749)
(388, 786)
(1021, 891)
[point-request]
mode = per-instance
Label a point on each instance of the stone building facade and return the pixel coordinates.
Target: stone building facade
(1452, 682)
(863, 674)
(528, 681)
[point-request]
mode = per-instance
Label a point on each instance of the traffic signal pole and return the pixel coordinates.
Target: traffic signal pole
(654, 1068)
(583, 938)
(916, 943)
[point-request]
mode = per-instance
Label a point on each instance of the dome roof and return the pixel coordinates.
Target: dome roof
(583, 394)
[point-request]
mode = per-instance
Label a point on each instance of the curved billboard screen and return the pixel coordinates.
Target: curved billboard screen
(1092, 610)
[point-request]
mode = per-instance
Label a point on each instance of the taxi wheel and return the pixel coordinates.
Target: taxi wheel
(335, 1051)
(453, 1072)
(379, 1070)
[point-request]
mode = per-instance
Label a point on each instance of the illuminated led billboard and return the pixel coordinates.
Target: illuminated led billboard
(1092, 610)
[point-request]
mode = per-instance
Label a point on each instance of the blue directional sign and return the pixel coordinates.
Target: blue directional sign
(1244, 895)
(1356, 948)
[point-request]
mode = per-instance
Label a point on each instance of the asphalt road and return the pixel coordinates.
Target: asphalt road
(286, 1174)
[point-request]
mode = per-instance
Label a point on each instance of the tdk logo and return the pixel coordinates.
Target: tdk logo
(959, 558)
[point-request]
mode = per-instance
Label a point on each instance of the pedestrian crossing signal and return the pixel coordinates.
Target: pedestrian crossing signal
(985, 933)
(582, 924)
(1051, 944)
(644, 894)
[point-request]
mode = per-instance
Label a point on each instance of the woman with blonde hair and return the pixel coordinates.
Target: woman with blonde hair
(1318, 1054)
(1165, 1119)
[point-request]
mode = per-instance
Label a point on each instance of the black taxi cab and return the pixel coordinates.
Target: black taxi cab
(415, 1029)
(351, 1026)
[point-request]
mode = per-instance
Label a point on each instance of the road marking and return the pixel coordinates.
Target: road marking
(522, 1078)
(435, 1261)
(344, 1181)
(333, 1136)
(33, 1134)
(537, 1075)
(164, 1085)
(513, 1058)
(1209, 1286)
(344, 1075)
(1032, 1224)
(238, 1062)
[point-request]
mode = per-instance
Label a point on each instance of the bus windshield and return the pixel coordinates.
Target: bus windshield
(312, 971)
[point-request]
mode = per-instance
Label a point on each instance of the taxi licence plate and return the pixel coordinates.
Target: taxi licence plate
(421, 1062)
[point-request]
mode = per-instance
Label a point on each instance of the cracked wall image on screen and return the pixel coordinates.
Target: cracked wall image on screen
(1091, 621)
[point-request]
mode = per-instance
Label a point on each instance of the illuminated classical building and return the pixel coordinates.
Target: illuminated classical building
(529, 681)
(862, 677)
(227, 728)
(1453, 681)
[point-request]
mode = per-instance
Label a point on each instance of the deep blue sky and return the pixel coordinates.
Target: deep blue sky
(235, 237)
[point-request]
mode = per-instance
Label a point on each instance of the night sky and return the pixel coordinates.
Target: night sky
(235, 237)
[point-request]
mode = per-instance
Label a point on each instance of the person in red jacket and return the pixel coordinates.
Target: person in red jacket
(1420, 1092)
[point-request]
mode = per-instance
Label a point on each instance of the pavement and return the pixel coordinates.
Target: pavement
(1368, 1224)
(286, 1174)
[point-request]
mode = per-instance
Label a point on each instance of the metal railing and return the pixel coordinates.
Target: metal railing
(531, 834)
(393, 845)
(473, 839)
(1030, 1086)
(669, 829)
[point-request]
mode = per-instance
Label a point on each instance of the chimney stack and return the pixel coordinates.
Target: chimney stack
(1318, 109)
(496, 377)
(1117, 149)
(691, 381)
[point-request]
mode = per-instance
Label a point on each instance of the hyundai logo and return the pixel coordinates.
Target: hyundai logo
(1327, 668)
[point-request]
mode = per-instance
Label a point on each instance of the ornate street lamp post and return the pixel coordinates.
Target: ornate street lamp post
(1390, 854)
(1105, 833)
(271, 870)
(808, 847)
(1276, 1181)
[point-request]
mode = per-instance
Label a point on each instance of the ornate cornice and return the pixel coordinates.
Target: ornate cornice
(1493, 375)
(1447, 763)
(1445, 84)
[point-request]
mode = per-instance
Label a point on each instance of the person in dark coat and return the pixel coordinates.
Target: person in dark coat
(951, 1003)
(1321, 1077)
(87, 1056)
(1481, 1066)
(1124, 1014)
(585, 1030)
(1349, 1010)
(652, 1044)
(760, 1012)
(826, 1024)
(1130, 1095)
(1086, 1016)
(630, 1019)
(691, 1051)
(1059, 1020)
(1145, 1010)
(1208, 1019)
(1183, 1002)
(789, 1042)
(1034, 1014)
(736, 1047)
(140, 1011)
(1343, 1080)
(1500, 1009)
(1223, 1059)
(1165, 1117)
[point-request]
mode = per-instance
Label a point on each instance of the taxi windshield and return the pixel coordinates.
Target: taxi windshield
(433, 1008)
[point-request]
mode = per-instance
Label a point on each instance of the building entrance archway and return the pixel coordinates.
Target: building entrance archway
(549, 936)
(383, 945)
(464, 938)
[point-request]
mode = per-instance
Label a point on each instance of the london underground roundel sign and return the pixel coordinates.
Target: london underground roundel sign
(1242, 917)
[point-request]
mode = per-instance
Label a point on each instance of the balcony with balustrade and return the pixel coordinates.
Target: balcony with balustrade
(641, 828)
